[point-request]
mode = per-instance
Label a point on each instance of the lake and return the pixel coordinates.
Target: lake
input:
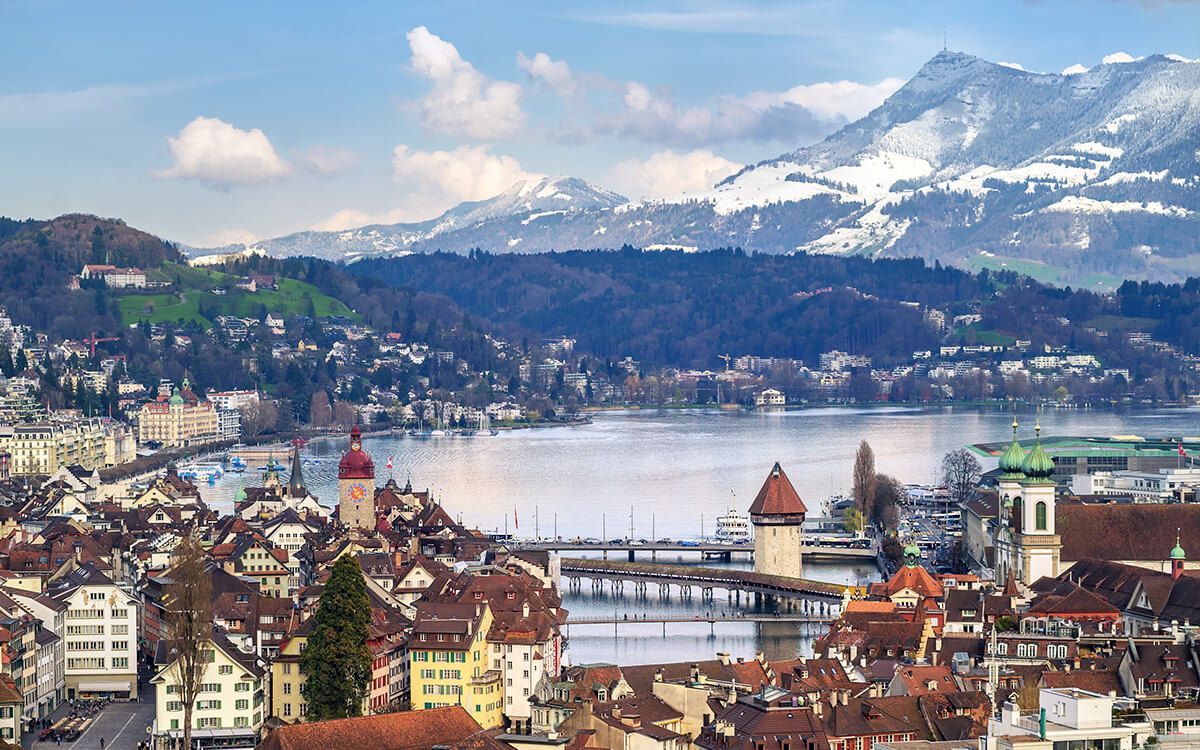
(671, 473)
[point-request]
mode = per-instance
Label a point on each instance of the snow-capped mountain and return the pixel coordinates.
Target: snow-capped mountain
(527, 201)
(1094, 174)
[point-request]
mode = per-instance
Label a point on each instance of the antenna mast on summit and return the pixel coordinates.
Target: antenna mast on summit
(945, 41)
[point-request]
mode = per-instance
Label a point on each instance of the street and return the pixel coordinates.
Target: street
(121, 725)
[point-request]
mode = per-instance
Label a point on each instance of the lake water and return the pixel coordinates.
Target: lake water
(674, 472)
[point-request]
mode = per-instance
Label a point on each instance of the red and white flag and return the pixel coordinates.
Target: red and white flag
(389, 462)
(1182, 452)
(515, 524)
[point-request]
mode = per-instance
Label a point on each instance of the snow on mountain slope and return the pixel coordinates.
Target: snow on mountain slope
(1094, 171)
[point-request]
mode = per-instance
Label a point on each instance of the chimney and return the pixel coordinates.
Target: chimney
(723, 658)
(525, 608)
(760, 657)
(695, 673)
(616, 712)
(741, 660)
(658, 675)
(632, 720)
(845, 697)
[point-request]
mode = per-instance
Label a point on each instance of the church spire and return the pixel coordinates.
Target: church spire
(296, 481)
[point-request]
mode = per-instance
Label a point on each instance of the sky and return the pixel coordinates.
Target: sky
(214, 122)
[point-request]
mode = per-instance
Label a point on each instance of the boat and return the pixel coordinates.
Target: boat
(485, 428)
(734, 526)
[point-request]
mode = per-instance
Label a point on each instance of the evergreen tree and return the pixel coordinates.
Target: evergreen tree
(337, 661)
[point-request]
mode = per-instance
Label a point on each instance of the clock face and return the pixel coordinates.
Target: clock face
(357, 492)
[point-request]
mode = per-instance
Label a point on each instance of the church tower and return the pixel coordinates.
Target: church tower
(356, 485)
(1009, 501)
(1039, 547)
(1178, 558)
(778, 517)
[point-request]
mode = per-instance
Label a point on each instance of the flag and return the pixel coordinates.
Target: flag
(389, 462)
(1182, 452)
(515, 524)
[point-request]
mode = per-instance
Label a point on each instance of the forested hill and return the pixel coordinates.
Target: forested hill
(38, 258)
(687, 308)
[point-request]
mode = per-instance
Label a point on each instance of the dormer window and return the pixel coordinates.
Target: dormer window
(478, 594)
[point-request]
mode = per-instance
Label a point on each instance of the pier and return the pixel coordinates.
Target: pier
(814, 599)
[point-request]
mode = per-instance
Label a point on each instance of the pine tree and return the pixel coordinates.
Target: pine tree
(336, 661)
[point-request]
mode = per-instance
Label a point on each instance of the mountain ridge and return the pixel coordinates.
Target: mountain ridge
(1092, 174)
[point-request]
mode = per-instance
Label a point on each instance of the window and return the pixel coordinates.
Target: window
(241, 721)
(242, 704)
(287, 667)
(226, 669)
(120, 662)
(241, 687)
(1040, 513)
(287, 709)
(209, 705)
(287, 688)
(120, 645)
(174, 705)
(209, 722)
(96, 596)
(118, 614)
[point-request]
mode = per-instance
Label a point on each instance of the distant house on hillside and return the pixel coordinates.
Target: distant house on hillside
(265, 281)
(117, 278)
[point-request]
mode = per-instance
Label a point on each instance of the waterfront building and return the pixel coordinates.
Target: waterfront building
(777, 514)
(1088, 455)
(178, 421)
(356, 486)
(43, 448)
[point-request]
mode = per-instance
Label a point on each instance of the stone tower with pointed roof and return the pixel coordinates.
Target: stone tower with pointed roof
(778, 517)
(356, 485)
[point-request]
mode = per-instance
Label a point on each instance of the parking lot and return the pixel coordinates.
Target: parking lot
(121, 725)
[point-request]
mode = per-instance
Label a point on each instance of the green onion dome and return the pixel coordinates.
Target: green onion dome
(1038, 464)
(1013, 457)
(1178, 553)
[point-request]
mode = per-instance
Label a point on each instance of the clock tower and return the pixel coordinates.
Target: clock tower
(356, 485)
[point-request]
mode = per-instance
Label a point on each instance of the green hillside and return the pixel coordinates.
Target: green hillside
(200, 301)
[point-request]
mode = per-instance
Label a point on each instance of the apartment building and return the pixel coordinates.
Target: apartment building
(229, 709)
(101, 635)
(448, 661)
(178, 421)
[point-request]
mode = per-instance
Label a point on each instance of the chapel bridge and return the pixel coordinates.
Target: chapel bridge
(793, 594)
(813, 551)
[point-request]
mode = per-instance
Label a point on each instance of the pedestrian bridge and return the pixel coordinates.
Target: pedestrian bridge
(812, 551)
(815, 598)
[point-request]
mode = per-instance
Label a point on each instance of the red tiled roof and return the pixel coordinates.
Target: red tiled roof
(408, 730)
(777, 496)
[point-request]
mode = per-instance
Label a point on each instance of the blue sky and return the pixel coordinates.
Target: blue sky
(218, 121)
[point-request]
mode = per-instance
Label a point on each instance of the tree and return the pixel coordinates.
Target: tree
(188, 599)
(960, 473)
(888, 495)
(853, 521)
(864, 479)
(320, 413)
(336, 661)
(258, 417)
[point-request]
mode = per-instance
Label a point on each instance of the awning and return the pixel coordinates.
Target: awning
(228, 732)
(103, 687)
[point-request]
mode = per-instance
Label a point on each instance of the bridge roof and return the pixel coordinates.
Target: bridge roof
(777, 496)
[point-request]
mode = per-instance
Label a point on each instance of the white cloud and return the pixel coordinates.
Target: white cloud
(462, 101)
(230, 237)
(328, 160)
(668, 173)
(793, 116)
(1075, 69)
(555, 73)
(216, 152)
(1118, 57)
(434, 181)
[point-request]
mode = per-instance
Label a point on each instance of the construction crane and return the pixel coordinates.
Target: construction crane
(725, 357)
(93, 341)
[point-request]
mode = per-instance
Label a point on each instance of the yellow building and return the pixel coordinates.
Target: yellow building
(287, 681)
(448, 661)
(178, 421)
(44, 447)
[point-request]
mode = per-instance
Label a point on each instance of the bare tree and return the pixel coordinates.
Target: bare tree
(865, 480)
(343, 414)
(889, 493)
(258, 417)
(320, 412)
(188, 600)
(960, 474)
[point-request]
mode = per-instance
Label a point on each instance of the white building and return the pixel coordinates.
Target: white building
(233, 399)
(101, 635)
(1068, 718)
(769, 397)
(229, 424)
(229, 710)
(1143, 486)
